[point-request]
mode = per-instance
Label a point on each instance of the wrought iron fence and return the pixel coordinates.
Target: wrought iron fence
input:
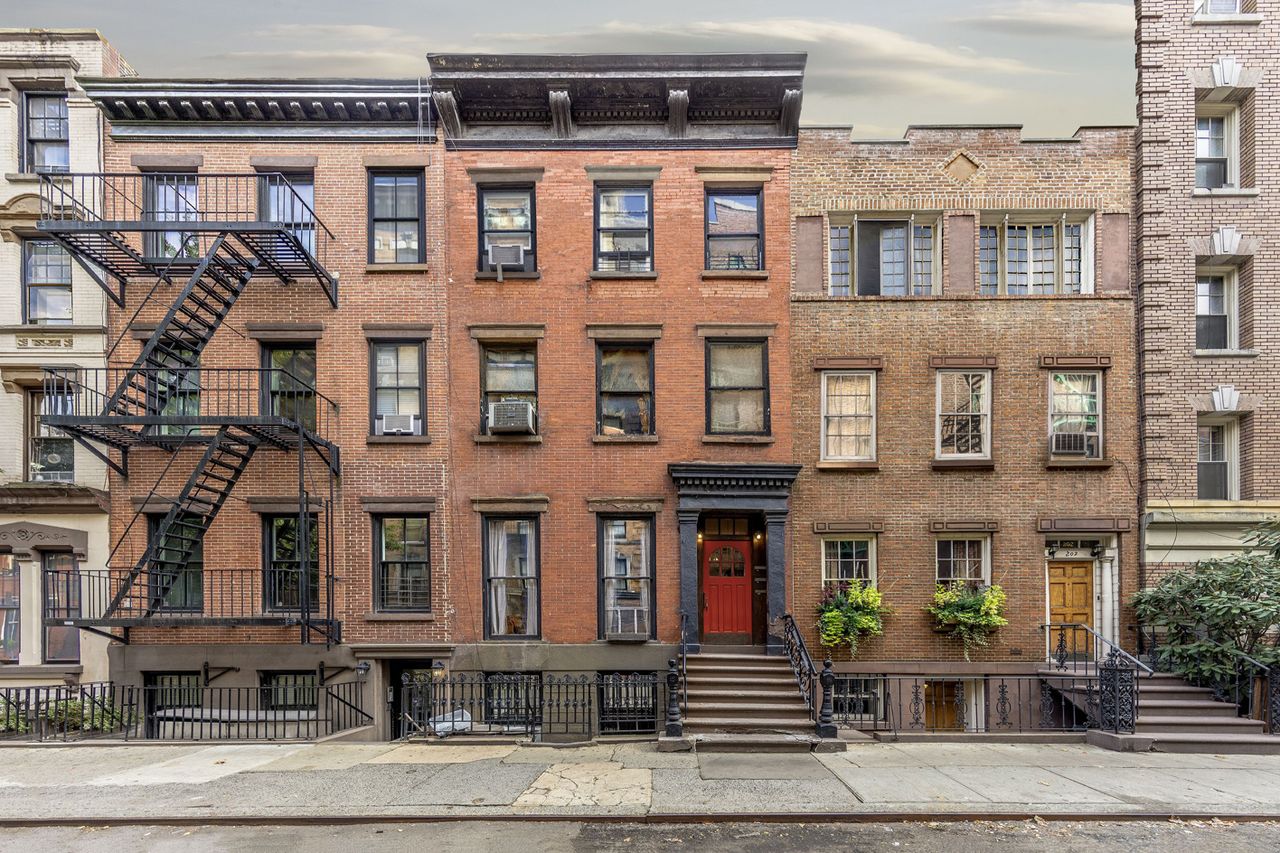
(63, 713)
(531, 705)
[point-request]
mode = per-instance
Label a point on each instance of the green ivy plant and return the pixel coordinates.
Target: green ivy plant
(969, 614)
(848, 612)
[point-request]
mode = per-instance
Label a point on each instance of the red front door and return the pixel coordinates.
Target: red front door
(726, 587)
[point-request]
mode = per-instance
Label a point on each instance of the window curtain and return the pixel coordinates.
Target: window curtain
(498, 602)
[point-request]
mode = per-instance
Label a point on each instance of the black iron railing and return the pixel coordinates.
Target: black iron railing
(1079, 648)
(63, 713)
(801, 664)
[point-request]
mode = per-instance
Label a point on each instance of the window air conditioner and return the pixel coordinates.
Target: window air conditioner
(397, 425)
(506, 256)
(512, 416)
(1070, 444)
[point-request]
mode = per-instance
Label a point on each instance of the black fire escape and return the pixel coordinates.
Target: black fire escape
(206, 236)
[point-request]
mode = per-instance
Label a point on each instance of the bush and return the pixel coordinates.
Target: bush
(969, 614)
(848, 613)
(84, 715)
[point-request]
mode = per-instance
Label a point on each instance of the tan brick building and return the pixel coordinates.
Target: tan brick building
(964, 383)
(1206, 269)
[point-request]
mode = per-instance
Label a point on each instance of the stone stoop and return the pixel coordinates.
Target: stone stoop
(744, 692)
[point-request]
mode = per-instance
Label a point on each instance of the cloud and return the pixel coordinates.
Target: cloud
(1057, 19)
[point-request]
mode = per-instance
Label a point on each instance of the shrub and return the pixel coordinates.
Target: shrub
(969, 614)
(849, 612)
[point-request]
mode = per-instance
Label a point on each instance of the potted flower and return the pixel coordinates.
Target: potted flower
(968, 613)
(848, 612)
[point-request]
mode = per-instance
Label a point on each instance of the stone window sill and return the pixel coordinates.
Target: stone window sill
(21, 177)
(630, 639)
(1227, 353)
(624, 439)
(737, 439)
(610, 275)
(515, 438)
(398, 439)
(520, 275)
(400, 617)
(1226, 192)
(395, 268)
(1076, 464)
(848, 465)
(963, 464)
(731, 274)
(1244, 18)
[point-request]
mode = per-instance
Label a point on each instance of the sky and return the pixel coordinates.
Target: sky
(1050, 65)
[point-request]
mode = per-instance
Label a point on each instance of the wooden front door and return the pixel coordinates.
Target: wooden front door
(943, 703)
(1071, 602)
(726, 590)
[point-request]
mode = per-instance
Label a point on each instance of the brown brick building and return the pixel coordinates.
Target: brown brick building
(1207, 308)
(964, 383)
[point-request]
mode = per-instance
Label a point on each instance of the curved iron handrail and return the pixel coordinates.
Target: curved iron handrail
(684, 663)
(1059, 653)
(801, 662)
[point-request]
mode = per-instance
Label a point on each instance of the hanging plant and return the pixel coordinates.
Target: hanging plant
(849, 612)
(970, 614)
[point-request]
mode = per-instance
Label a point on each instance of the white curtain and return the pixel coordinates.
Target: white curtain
(497, 569)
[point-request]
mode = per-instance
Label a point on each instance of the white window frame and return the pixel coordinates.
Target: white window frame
(938, 414)
(986, 555)
(932, 219)
(1230, 115)
(1201, 11)
(1060, 221)
(823, 454)
(1231, 297)
(1102, 405)
(869, 538)
(850, 233)
(1231, 448)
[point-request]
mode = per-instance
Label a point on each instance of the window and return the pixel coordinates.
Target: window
(46, 282)
(396, 218)
(289, 691)
(626, 577)
(965, 561)
(1075, 415)
(838, 258)
(51, 456)
(511, 577)
(1219, 7)
(396, 374)
(282, 584)
(510, 375)
(849, 416)
(175, 393)
(964, 414)
(507, 216)
(1216, 326)
(628, 702)
(847, 561)
(737, 388)
(624, 389)
(10, 609)
(291, 200)
(734, 230)
(172, 198)
(176, 582)
(1217, 478)
(45, 134)
(1217, 146)
(403, 563)
(895, 257)
(291, 382)
(624, 228)
(62, 601)
(1033, 258)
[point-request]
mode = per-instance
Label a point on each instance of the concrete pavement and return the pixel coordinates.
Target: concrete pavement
(623, 780)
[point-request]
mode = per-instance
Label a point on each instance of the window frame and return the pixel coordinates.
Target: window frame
(509, 346)
(707, 389)
(708, 193)
(34, 404)
(601, 346)
(272, 395)
(266, 689)
(73, 604)
(530, 256)
(379, 572)
(11, 608)
(597, 253)
(1060, 221)
(602, 521)
(26, 151)
(27, 285)
(1231, 305)
(185, 186)
(374, 387)
(985, 557)
(1230, 115)
(185, 377)
(268, 561)
(153, 520)
(1101, 406)
(371, 219)
(1230, 451)
(911, 220)
(303, 229)
(988, 414)
(823, 453)
(872, 568)
(536, 520)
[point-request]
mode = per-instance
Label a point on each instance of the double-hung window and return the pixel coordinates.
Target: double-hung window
(45, 134)
(396, 218)
(848, 561)
(1075, 414)
(737, 388)
(290, 200)
(10, 609)
(885, 257)
(964, 560)
(624, 228)
(507, 218)
(177, 581)
(1034, 257)
(291, 382)
(511, 573)
(1217, 146)
(1216, 326)
(964, 414)
(735, 229)
(396, 377)
(51, 456)
(46, 283)
(624, 392)
(175, 392)
(509, 374)
(849, 416)
(1218, 455)
(283, 584)
(626, 577)
(403, 570)
(172, 198)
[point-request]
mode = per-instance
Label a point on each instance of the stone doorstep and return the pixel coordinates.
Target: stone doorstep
(750, 743)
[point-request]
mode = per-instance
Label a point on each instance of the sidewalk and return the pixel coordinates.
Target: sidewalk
(204, 783)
